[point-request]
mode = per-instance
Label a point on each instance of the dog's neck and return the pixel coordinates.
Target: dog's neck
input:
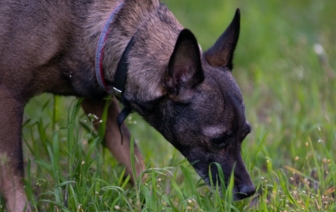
(155, 31)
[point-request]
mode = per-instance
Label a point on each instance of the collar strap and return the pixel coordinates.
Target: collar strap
(119, 86)
(121, 73)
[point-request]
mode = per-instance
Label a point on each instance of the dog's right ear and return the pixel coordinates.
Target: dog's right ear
(221, 53)
(185, 67)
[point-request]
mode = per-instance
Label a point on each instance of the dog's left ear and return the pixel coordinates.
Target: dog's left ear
(185, 67)
(221, 53)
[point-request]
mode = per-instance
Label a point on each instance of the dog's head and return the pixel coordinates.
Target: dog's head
(202, 113)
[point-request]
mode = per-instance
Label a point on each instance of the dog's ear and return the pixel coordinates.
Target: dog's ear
(221, 53)
(185, 68)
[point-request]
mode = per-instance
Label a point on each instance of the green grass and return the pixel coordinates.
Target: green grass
(288, 90)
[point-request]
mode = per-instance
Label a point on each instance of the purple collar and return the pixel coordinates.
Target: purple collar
(100, 50)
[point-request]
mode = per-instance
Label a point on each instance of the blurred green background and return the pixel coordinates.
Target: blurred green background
(285, 66)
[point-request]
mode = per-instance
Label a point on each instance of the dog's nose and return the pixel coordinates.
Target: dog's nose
(247, 191)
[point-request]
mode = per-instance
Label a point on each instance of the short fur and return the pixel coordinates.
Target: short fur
(188, 96)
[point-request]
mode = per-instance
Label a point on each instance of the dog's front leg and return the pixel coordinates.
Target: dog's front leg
(11, 156)
(112, 141)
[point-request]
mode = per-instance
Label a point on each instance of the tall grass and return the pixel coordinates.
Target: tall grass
(285, 66)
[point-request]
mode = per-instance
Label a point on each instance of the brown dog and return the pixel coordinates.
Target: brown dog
(93, 48)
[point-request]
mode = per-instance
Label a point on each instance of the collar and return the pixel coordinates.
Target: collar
(100, 55)
(121, 73)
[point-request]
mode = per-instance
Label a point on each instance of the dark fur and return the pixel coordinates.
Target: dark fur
(191, 98)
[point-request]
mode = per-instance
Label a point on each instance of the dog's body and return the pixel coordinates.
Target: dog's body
(192, 99)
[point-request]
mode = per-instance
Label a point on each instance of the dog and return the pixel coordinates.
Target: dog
(135, 50)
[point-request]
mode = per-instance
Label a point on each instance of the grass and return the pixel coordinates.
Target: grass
(288, 85)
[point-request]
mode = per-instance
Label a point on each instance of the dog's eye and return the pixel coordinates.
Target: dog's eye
(221, 141)
(218, 141)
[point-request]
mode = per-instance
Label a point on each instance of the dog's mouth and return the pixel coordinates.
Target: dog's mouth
(239, 192)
